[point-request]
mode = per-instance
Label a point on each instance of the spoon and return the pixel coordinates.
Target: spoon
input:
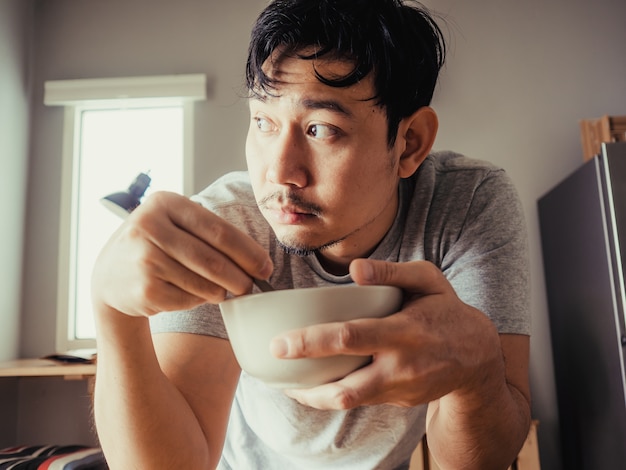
(263, 285)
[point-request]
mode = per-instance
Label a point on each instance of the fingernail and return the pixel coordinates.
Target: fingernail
(279, 347)
(267, 269)
(367, 270)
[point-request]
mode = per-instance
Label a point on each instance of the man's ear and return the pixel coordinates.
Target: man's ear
(418, 133)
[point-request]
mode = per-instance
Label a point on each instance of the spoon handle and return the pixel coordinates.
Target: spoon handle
(263, 285)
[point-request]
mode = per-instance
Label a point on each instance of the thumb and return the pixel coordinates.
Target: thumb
(420, 277)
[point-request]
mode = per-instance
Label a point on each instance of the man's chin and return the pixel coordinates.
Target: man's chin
(296, 249)
(301, 249)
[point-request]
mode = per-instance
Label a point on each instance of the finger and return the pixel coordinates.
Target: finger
(420, 277)
(183, 235)
(161, 250)
(242, 249)
(196, 264)
(362, 387)
(361, 337)
(162, 296)
(196, 286)
(149, 282)
(381, 381)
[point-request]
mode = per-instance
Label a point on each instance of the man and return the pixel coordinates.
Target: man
(341, 188)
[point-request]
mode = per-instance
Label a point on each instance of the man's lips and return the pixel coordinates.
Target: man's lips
(288, 208)
(288, 214)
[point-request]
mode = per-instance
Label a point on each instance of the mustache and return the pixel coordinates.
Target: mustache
(292, 199)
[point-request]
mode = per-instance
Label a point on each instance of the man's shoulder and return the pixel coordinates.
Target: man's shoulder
(233, 186)
(454, 173)
(232, 181)
(449, 161)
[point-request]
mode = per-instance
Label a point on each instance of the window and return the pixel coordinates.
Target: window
(114, 129)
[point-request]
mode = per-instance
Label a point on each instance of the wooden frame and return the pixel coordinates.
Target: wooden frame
(596, 131)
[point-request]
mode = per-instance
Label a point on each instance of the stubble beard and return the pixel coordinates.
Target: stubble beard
(294, 246)
(299, 249)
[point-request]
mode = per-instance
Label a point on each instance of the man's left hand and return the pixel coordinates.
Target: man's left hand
(435, 345)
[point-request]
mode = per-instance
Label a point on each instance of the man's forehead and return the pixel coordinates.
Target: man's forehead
(290, 69)
(283, 62)
(311, 102)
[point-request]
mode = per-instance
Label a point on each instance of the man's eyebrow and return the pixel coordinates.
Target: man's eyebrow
(330, 105)
(310, 103)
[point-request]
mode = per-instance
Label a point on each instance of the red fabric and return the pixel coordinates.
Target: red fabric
(46, 464)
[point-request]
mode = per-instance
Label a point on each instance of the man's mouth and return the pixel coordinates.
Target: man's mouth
(287, 216)
(288, 208)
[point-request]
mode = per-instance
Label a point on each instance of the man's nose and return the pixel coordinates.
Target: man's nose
(288, 160)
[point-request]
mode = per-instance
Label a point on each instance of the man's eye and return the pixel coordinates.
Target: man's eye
(263, 124)
(322, 131)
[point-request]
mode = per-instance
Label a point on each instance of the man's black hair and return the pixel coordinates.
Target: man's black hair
(396, 40)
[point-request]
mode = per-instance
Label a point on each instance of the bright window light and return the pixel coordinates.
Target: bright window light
(115, 128)
(115, 146)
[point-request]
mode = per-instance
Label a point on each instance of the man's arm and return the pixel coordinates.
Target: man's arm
(163, 402)
(170, 413)
(484, 429)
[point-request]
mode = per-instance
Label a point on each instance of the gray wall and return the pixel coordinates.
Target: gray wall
(519, 77)
(15, 40)
(15, 33)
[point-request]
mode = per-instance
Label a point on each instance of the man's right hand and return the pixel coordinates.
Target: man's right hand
(158, 403)
(171, 254)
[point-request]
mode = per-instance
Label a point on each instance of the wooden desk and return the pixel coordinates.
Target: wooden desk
(46, 401)
(46, 368)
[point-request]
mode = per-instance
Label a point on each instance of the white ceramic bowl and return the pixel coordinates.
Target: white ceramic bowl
(253, 320)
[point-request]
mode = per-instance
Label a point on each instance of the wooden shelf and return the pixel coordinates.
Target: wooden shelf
(45, 368)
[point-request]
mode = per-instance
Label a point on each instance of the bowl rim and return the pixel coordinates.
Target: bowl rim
(280, 292)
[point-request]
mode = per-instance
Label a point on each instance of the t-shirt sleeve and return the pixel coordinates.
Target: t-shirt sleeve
(488, 263)
(203, 320)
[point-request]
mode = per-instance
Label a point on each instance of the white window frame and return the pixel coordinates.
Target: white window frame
(77, 96)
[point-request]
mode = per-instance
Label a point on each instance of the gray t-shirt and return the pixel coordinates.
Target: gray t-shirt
(464, 216)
